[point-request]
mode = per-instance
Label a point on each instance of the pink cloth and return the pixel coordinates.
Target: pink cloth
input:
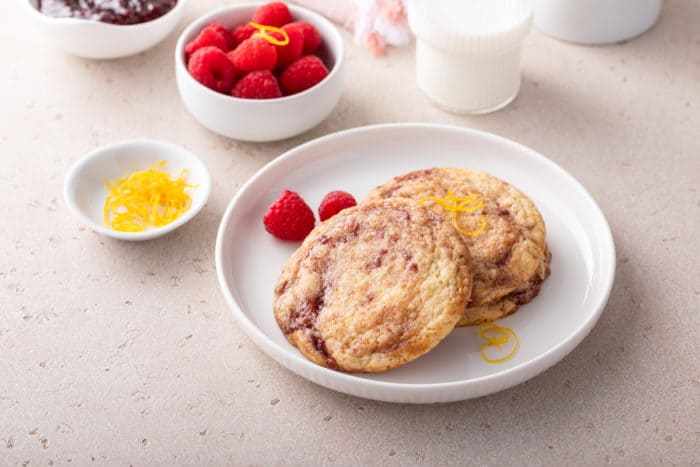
(376, 23)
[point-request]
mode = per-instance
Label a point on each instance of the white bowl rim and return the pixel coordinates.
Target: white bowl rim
(74, 171)
(200, 21)
(80, 21)
(540, 362)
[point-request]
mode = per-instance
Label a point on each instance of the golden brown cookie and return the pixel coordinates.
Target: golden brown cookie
(509, 304)
(511, 247)
(374, 287)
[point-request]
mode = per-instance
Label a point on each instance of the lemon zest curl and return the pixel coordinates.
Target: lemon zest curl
(497, 336)
(265, 30)
(146, 198)
(457, 204)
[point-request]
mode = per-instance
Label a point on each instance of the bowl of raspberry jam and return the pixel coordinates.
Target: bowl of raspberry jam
(105, 29)
(122, 12)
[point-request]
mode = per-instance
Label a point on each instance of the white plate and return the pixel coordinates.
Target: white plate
(249, 260)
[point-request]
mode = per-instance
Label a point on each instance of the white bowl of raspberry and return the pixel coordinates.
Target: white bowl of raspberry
(105, 30)
(260, 72)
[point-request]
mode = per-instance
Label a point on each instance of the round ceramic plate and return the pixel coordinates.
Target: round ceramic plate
(249, 260)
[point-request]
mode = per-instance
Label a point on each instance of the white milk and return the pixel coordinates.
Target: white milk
(468, 51)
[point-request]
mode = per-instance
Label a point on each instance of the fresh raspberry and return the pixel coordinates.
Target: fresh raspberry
(303, 74)
(334, 202)
(286, 54)
(218, 27)
(257, 85)
(242, 33)
(273, 14)
(254, 54)
(208, 37)
(312, 39)
(289, 218)
(211, 67)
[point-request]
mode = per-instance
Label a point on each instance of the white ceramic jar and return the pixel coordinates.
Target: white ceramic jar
(468, 51)
(596, 21)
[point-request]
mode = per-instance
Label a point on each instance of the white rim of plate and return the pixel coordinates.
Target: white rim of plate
(517, 374)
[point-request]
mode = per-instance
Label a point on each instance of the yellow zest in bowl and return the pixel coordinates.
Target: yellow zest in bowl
(497, 336)
(457, 204)
(147, 198)
(264, 32)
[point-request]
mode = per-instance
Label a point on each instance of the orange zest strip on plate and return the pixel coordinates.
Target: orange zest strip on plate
(497, 336)
(457, 204)
(264, 32)
(146, 198)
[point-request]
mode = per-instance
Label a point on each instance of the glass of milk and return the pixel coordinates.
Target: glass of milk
(468, 51)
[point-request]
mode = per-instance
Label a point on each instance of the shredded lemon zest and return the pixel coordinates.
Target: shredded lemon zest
(497, 336)
(457, 204)
(147, 198)
(265, 30)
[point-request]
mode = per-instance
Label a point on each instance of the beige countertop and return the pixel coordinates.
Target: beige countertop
(117, 353)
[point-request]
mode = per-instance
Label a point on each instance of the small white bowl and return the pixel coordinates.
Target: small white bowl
(95, 39)
(262, 119)
(85, 192)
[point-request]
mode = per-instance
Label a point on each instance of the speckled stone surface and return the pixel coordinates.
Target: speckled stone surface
(124, 354)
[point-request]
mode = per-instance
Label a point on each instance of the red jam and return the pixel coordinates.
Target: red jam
(120, 12)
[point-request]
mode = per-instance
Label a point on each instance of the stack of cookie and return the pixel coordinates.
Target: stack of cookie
(510, 259)
(382, 283)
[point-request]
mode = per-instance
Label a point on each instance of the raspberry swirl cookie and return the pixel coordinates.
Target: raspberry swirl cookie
(374, 287)
(506, 236)
(510, 303)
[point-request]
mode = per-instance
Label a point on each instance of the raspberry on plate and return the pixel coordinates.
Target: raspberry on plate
(312, 39)
(211, 67)
(333, 203)
(257, 85)
(208, 37)
(242, 33)
(254, 54)
(272, 14)
(289, 52)
(289, 218)
(302, 74)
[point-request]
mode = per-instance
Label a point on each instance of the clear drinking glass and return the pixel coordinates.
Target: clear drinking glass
(468, 51)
